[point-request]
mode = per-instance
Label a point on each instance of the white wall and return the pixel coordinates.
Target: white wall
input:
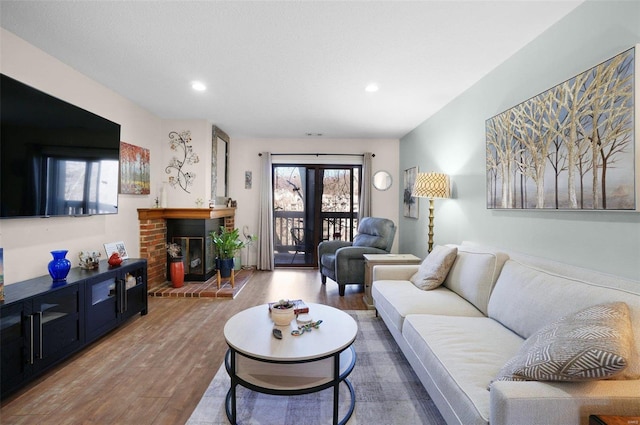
(243, 156)
(453, 141)
(27, 242)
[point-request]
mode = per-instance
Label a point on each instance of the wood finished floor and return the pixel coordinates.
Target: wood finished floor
(155, 368)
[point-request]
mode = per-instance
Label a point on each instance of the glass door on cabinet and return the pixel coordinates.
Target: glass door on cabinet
(135, 295)
(102, 310)
(58, 318)
(15, 356)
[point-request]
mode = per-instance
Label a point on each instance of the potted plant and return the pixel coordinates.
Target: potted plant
(227, 243)
(176, 267)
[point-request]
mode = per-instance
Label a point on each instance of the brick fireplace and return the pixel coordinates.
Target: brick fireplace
(153, 233)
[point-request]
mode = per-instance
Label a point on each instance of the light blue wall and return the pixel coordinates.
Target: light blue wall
(453, 141)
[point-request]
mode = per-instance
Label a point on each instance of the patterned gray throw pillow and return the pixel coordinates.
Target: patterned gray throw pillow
(594, 343)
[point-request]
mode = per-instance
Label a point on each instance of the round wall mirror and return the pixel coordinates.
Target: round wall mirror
(382, 180)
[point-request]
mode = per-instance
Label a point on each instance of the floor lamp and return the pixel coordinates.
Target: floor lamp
(431, 186)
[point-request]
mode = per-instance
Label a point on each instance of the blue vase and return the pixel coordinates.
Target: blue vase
(59, 267)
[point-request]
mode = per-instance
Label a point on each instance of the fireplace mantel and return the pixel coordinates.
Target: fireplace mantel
(184, 213)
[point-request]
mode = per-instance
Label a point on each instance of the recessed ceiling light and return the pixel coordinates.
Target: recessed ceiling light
(198, 86)
(371, 88)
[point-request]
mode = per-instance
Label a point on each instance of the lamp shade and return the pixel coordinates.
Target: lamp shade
(431, 185)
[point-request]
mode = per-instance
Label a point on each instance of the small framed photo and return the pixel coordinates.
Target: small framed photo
(118, 247)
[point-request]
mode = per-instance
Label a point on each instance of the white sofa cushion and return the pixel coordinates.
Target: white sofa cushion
(399, 298)
(565, 403)
(526, 298)
(594, 343)
(462, 355)
(474, 273)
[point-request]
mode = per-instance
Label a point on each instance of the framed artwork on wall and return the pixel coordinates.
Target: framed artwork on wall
(134, 170)
(410, 203)
(572, 147)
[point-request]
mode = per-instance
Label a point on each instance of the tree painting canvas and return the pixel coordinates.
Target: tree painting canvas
(410, 202)
(134, 170)
(571, 147)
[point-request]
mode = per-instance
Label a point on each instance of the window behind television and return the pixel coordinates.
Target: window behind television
(56, 159)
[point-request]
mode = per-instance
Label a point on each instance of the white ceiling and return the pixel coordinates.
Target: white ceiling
(286, 68)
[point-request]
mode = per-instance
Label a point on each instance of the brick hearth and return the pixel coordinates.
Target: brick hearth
(208, 289)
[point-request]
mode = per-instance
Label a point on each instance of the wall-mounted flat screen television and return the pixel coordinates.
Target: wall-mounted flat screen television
(56, 159)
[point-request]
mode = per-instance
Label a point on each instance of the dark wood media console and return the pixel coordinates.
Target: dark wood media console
(42, 323)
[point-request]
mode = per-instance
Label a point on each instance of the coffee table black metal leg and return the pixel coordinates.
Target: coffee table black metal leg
(352, 405)
(336, 387)
(230, 402)
(230, 405)
(336, 395)
(234, 411)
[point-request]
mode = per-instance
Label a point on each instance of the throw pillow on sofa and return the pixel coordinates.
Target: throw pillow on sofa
(434, 268)
(594, 343)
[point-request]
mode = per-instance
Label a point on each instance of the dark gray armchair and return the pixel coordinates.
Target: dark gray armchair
(343, 262)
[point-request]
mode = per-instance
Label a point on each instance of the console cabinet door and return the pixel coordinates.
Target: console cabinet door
(134, 287)
(102, 304)
(16, 356)
(58, 331)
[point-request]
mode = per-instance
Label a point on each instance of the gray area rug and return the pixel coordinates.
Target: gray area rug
(387, 391)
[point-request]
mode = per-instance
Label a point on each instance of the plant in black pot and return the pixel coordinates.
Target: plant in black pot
(227, 243)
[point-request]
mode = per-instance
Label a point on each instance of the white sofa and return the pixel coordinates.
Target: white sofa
(459, 335)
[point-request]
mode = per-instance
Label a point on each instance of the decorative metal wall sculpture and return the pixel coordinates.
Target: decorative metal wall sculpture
(571, 147)
(181, 143)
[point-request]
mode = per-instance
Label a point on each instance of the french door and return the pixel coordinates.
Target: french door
(312, 203)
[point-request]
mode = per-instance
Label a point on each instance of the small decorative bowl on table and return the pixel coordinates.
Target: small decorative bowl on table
(283, 312)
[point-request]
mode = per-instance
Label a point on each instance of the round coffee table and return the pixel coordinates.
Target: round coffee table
(293, 365)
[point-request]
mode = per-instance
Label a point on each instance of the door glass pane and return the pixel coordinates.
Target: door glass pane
(289, 207)
(102, 291)
(57, 305)
(340, 196)
(11, 324)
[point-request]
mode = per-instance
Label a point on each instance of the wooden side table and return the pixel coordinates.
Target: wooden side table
(371, 260)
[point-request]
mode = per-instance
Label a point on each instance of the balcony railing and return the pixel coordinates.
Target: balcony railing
(291, 236)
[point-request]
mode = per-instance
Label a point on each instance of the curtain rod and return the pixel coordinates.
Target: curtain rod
(319, 154)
